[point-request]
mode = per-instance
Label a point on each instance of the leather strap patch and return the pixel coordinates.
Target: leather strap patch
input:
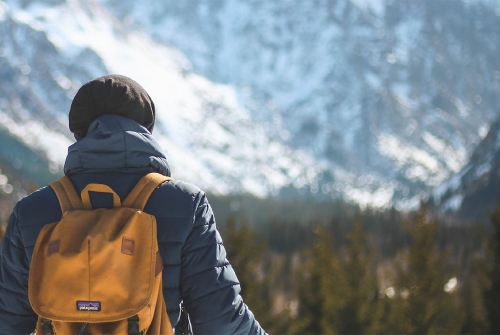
(128, 246)
(159, 264)
(53, 247)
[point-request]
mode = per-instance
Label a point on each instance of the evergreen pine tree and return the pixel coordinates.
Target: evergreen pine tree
(257, 273)
(474, 269)
(492, 291)
(363, 310)
(322, 288)
(421, 304)
(472, 308)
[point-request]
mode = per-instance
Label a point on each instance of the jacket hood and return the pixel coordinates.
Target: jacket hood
(116, 144)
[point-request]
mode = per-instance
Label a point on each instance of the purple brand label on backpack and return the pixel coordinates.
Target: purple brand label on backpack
(94, 306)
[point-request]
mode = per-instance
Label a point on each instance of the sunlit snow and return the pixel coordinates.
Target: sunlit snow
(207, 135)
(417, 163)
(282, 77)
(37, 135)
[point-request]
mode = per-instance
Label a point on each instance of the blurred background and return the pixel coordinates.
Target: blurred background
(350, 148)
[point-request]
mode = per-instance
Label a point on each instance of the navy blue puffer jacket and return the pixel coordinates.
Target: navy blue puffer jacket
(117, 151)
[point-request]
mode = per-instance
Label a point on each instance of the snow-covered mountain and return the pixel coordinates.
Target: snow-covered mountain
(369, 100)
(475, 190)
(49, 49)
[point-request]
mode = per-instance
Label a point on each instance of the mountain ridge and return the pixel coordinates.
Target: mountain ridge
(389, 81)
(221, 133)
(474, 192)
(372, 103)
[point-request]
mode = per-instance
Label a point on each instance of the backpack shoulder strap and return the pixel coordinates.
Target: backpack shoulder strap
(139, 196)
(67, 195)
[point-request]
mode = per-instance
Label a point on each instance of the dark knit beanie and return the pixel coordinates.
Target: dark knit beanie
(113, 94)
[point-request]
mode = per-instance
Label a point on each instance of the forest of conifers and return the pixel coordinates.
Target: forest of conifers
(331, 268)
(355, 271)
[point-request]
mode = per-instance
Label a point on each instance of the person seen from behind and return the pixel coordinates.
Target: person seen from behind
(112, 118)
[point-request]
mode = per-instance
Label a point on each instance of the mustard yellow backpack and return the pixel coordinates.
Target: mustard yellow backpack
(99, 271)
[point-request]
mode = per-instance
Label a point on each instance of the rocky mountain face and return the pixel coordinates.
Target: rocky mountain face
(392, 95)
(372, 101)
(475, 190)
(49, 49)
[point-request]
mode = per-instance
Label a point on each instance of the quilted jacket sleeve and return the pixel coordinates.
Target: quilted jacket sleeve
(210, 288)
(16, 315)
